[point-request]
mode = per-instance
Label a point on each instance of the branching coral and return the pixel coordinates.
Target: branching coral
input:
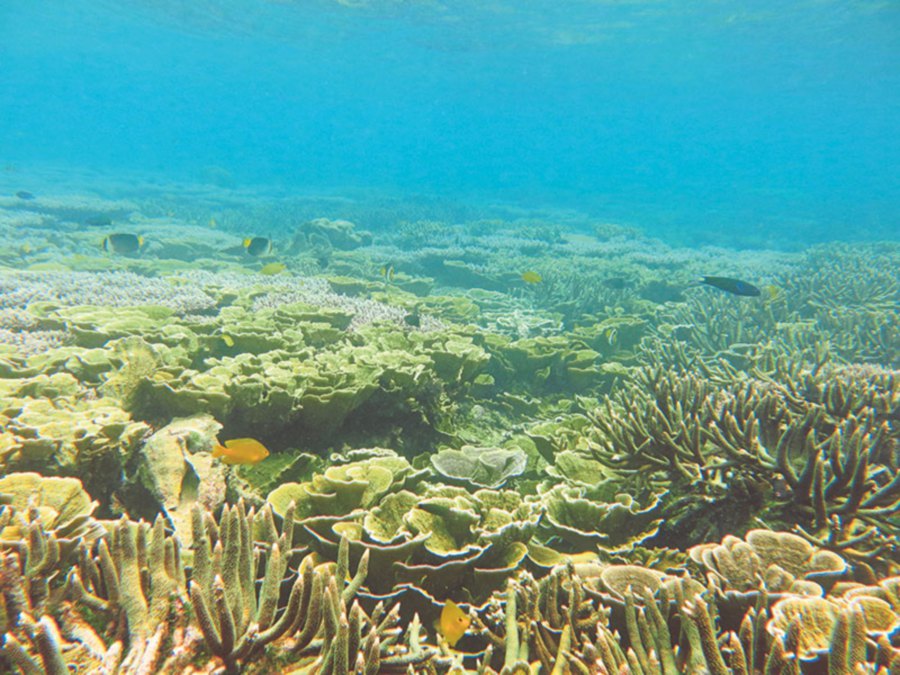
(552, 622)
(132, 603)
(816, 455)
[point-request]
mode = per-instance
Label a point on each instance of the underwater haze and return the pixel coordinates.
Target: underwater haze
(449, 337)
(702, 118)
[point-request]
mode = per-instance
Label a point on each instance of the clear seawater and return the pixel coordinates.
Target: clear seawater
(759, 123)
(442, 260)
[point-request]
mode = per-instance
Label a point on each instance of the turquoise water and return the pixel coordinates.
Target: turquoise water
(437, 336)
(768, 123)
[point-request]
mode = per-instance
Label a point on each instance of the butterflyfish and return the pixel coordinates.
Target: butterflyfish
(241, 451)
(257, 246)
(733, 286)
(387, 271)
(453, 623)
(123, 243)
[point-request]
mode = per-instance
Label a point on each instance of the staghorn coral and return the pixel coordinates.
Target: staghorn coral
(554, 623)
(130, 604)
(813, 309)
(834, 463)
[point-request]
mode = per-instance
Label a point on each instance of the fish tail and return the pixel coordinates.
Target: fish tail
(218, 451)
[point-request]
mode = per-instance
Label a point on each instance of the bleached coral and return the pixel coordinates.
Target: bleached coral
(110, 289)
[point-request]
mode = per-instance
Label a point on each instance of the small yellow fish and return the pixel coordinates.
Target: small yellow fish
(212, 223)
(532, 277)
(241, 451)
(387, 271)
(453, 623)
(771, 293)
(272, 269)
(228, 340)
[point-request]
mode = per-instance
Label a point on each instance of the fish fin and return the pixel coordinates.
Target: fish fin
(247, 242)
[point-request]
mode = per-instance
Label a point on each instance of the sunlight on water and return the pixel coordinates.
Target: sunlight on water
(344, 337)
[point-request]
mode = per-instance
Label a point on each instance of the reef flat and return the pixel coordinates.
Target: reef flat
(543, 419)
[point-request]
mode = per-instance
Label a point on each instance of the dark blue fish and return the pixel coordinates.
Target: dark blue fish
(24, 194)
(734, 286)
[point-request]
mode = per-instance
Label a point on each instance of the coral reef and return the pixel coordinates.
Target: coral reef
(129, 603)
(606, 466)
(808, 459)
(119, 603)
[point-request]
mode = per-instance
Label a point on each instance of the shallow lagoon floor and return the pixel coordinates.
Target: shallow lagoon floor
(539, 416)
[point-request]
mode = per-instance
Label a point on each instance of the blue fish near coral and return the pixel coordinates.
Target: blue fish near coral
(733, 286)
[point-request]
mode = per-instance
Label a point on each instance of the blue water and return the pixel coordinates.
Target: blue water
(714, 119)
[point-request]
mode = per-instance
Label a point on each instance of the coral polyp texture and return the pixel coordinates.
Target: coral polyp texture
(428, 447)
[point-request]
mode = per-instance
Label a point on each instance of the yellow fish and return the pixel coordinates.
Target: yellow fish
(531, 277)
(212, 223)
(453, 623)
(241, 451)
(771, 293)
(272, 269)
(387, 271)
(228, 340)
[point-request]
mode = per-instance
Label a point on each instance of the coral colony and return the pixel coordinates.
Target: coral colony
(436, 449)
